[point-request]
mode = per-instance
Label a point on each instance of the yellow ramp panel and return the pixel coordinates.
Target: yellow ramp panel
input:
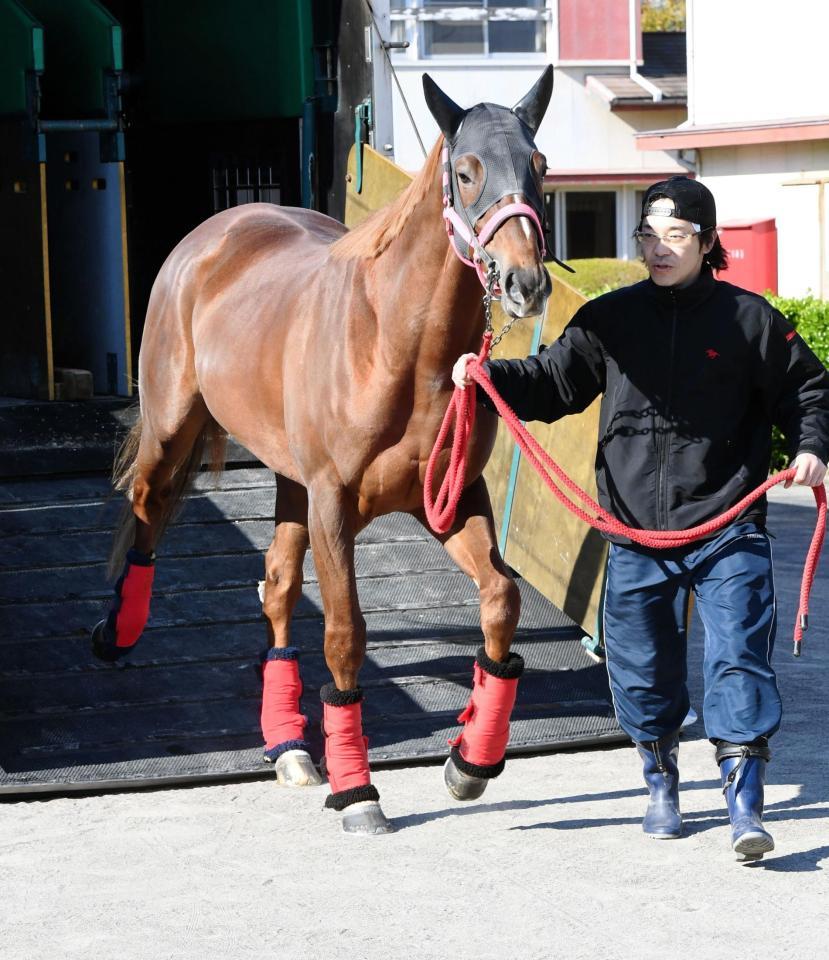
(553, 550)
(383, 181)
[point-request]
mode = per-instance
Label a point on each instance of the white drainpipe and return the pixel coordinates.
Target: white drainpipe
(643, 82)
(690, 69)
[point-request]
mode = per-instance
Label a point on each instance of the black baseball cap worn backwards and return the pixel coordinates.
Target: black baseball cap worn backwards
(691, 201)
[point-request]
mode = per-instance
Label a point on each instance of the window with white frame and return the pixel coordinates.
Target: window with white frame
(583, 223)
(473, 28)
(590, 223)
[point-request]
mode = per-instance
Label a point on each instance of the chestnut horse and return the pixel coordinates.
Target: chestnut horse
(328, 355)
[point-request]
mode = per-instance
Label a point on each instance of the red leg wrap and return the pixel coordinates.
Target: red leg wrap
(346, 749)
(283, 726)
(134, 592)
(485, 735)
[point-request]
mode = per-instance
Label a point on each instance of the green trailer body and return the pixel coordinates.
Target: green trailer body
(217, 61)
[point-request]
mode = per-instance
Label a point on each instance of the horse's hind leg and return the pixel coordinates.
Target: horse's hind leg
(283, 724)
(154, 468)
(478, 754)
(333, 524)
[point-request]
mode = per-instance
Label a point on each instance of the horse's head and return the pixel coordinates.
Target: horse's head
(493, 196)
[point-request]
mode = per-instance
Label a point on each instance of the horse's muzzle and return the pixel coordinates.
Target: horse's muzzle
(524, 291)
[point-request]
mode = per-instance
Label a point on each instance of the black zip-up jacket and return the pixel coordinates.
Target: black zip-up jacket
(692, 380)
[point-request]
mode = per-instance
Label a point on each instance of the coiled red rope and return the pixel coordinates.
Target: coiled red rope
(440, 510)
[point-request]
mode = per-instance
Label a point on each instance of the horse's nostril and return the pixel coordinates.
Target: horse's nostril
(513, 286)
(526, 289)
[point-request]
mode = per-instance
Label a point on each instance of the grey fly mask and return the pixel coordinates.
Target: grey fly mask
(502, 141)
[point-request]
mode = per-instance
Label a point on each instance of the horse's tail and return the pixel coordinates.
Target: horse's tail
(124, 470)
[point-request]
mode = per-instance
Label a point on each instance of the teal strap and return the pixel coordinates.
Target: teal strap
(516, 456)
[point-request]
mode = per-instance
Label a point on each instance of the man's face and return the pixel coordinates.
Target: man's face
(671, 250)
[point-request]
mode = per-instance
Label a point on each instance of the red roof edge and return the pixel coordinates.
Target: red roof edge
(609, 176)
(733, 135)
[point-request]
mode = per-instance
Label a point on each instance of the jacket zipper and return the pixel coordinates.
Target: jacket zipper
(662, 438)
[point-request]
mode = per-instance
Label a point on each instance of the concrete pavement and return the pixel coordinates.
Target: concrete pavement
(551, 863)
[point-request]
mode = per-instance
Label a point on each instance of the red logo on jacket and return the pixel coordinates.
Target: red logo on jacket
(711, 353)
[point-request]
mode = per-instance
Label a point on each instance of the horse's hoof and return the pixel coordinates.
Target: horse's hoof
(295, 768)
(103, 647)
(460, 785)
(366, 818)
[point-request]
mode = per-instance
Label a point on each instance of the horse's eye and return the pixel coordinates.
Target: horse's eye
(464, 178)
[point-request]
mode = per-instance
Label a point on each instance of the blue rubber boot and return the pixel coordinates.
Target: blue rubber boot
(663, 820)
(743, 772)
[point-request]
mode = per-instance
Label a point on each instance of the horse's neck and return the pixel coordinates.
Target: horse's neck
(439, 312)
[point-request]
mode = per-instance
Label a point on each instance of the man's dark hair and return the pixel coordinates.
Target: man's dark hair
(717, 256)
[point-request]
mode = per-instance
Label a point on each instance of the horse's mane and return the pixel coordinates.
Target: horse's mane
(370, 238)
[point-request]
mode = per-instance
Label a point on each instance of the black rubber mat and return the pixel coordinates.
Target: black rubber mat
(184, 706)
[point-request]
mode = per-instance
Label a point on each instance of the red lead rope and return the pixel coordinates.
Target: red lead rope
(440, 510)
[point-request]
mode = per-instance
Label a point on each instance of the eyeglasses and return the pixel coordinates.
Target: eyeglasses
(673, 238)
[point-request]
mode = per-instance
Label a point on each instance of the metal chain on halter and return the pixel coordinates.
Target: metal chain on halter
(491, 280)
(492, 277)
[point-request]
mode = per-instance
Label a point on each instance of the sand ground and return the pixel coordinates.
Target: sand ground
(550, 863)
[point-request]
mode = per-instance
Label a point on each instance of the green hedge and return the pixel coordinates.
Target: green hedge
(811, 318)
(600, 275)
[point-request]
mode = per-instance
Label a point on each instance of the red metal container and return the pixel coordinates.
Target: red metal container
(752, 252)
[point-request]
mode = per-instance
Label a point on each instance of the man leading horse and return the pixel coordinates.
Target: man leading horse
(693, 372)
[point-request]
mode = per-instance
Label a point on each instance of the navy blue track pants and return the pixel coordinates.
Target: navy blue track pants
(645, 616)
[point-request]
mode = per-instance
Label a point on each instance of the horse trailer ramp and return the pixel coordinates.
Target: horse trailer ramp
(184, 706)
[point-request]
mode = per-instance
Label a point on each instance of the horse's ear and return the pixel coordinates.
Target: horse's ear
(534, 105)
(446, 112)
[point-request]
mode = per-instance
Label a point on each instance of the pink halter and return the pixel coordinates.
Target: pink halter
(476, 242)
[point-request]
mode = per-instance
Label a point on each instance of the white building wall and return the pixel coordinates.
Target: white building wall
(756, 60)
(781, 181)
(579, 132)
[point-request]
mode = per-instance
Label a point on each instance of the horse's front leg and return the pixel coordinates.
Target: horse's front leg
(478, 754)
(333, 523)
(283, 723)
